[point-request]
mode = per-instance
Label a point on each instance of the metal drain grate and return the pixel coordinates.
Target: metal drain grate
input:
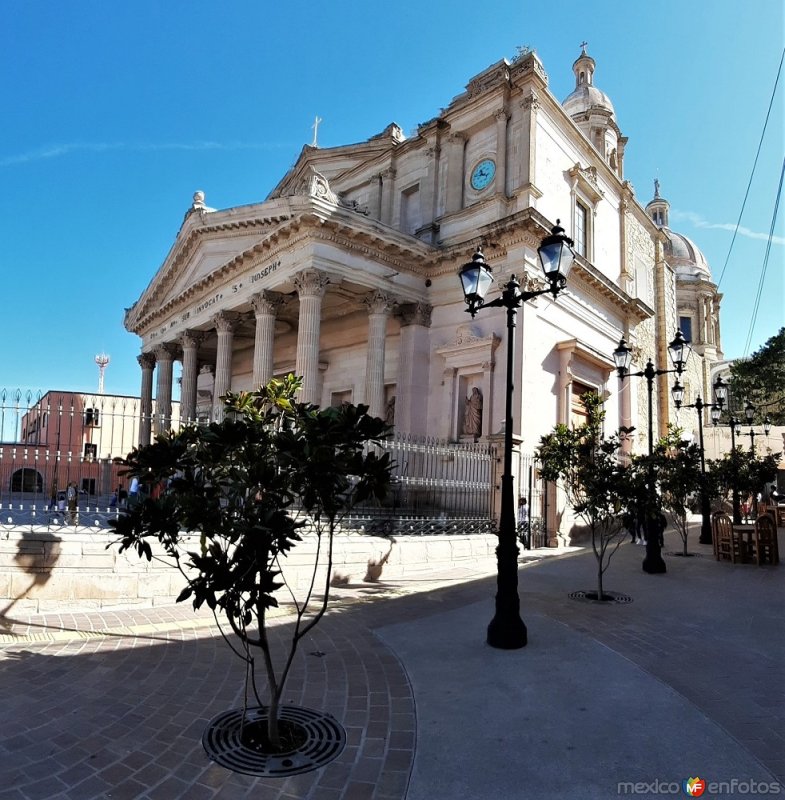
(325, 740)
(590, 596)
(680, 554)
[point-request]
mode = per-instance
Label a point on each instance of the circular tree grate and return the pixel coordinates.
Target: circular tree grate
(325, 739)
(589, 596)
(680, 554)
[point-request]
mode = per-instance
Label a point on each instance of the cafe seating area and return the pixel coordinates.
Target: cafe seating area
(753, 543)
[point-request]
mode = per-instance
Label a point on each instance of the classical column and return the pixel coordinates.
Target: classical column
(414, 358)
(164, 356)
(501, 152)
(225, 323)
(147, 363)
(189, 341)
(266, 305)
(311, 284)
(379, 307)
(455, 155)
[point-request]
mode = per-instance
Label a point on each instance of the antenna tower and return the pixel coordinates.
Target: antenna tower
(102, 360)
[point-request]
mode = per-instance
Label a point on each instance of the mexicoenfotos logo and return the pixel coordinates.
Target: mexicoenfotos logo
(693, 787)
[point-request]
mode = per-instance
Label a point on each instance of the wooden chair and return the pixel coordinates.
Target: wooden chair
(764, 543)
(725, 546)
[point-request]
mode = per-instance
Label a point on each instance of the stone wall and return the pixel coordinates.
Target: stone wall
(43, 572)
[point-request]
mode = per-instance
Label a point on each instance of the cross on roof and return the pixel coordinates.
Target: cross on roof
(315, 127)
(584, 45)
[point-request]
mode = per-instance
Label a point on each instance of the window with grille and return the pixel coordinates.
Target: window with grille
(580, 228)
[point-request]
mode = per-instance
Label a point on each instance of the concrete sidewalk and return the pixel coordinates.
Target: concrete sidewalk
(684, 681)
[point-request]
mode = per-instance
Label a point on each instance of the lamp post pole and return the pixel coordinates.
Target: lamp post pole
(720, 396)
(699, 405)
(679, 351)
(507, 630)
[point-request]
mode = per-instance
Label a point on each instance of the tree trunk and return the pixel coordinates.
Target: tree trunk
(599, 580)
(272, 721)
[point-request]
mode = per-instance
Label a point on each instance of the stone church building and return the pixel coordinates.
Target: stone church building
(347, 274)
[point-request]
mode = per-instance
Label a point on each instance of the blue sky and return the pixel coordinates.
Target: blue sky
(114, 114)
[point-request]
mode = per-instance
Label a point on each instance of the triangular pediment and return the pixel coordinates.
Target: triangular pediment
(333, 162)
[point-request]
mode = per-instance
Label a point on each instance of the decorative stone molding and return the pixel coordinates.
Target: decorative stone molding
(316, 185)
(378, 302)
(311, 283)
(165, 351)
(146, 360)
(267, 302)
(586, 182)
(191, 338)
(501, 115)
(414, 314)
(531, 102)
(224, 321)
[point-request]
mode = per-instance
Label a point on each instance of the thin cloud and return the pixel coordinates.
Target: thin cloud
(699, 222)
(65, 149)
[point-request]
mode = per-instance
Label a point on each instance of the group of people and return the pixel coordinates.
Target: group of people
(65, 502)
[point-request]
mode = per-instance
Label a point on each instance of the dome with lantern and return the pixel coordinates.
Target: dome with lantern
(682, 253)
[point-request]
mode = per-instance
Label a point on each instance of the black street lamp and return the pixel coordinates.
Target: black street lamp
(720, 397)
(679, 351)
(507, 630)
(749, 413)
(698, 405)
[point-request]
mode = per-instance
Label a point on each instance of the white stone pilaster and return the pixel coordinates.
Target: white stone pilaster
(379, 307)
(455, 170)
(501, 152)
(388, 195)
(311, 285)
(412, 386)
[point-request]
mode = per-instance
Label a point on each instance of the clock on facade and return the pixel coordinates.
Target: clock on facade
(483, 174)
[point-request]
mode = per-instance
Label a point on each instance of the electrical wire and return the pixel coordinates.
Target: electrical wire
(747, 193)
(765, 262)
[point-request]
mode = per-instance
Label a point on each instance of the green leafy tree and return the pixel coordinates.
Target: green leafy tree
(677, 470)
(250, 486)
(760, 379)
(746, 470)
(598, 484)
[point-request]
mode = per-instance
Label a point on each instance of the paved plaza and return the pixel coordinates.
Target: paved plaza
(606, 700)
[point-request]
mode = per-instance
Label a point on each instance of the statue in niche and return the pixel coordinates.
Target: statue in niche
(389, 411)
(472, 414)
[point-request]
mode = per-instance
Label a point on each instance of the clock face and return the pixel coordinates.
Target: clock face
(483, 174)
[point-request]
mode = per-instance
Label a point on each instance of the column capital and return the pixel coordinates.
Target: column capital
(266, 302)
(165, 351)
(146, 360)
(501, 115)
(224, 321)
(457, 137)
(378, 302)
(311, 283)
(190, 338)
(531, 102)
(415, 314)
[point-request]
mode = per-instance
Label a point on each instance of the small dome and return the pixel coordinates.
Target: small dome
(685, 257)
(586, 95)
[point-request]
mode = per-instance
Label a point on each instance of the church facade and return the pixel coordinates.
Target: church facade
(347, 274)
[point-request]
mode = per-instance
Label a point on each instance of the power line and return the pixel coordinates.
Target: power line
(765, 261)
(747, 193)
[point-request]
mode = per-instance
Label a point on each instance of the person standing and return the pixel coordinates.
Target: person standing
(71, 497)
(133, 492)
(523, 523)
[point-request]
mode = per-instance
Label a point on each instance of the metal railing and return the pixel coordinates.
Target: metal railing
(53, 440)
